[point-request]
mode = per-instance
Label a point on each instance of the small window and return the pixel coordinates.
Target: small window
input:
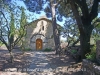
(42, 27)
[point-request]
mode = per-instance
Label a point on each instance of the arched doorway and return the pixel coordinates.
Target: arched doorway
(38, 44)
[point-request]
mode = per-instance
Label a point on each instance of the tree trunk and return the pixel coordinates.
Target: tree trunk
(55, 29)
(85, 45)
(85, 29)
(11, 56)
(75, 42)
(68, 43)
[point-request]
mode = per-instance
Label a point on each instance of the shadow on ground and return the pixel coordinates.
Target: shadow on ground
(39, 63)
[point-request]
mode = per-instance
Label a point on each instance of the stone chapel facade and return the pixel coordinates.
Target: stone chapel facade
(39, 34)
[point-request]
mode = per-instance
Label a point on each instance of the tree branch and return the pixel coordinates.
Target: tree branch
(94, 10)
(5, 19)
(97, 25)
(76, 42)
(58, 2)
(76, 14)
(2, 40)
(82, 4)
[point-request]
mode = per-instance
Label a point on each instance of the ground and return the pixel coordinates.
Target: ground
(38, 63)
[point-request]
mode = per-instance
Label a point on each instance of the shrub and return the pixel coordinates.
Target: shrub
(47, 49)
(73, 51)
(27, 49)
(1, 43)
(92, 55)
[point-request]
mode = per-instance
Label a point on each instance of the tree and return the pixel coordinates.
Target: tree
(12, 27)
(53, 5)
(84, 11)
(71, 32)
(84, 21)
(96, 30)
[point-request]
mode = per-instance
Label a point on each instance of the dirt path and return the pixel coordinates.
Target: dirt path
(38, 63)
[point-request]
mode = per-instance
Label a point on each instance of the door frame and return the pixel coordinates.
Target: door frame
(39, 43)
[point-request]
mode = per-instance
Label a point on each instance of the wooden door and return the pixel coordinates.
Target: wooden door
(38, 44)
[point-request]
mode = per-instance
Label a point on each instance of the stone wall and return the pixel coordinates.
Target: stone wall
(40, 29)
(89, 68)
(98, 51)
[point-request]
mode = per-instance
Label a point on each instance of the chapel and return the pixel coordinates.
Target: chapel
(39, 34)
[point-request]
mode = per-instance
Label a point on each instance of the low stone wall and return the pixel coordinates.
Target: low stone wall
(89, 68)
(98, 51)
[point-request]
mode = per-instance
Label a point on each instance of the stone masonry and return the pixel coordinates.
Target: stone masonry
(90, 68)
(98, 51)
(40, 29)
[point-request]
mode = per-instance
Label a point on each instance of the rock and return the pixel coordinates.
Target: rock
(98, 51)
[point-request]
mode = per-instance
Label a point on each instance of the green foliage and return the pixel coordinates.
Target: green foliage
(48, 49)
(92, 54)
(12, 29)
(23, 22)
(12, 24)
(71, 31)
(1, 43)
(52, 36)
(73, 51)
(22, 45)
(27, 49)
(96, 31)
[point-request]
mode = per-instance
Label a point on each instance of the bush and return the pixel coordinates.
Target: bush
(92, 54)
(27, 49)
(73, 51)
(1, 43)
(47, 49)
